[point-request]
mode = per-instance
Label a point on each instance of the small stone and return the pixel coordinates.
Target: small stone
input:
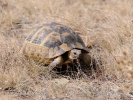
(62, 81)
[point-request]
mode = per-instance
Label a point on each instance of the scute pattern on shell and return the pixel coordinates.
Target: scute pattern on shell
(51, 40)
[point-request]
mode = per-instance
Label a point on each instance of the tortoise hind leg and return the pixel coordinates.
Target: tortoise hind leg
(57, 61)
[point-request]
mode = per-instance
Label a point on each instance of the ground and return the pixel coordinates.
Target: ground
(104, 25)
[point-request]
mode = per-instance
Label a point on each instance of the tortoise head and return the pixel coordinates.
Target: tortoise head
(74, 54)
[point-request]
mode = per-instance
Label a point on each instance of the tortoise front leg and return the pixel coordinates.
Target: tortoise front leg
(57, 61)
(86, 59)
(89, 61)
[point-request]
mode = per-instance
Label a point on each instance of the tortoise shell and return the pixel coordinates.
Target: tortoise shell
(51, 40)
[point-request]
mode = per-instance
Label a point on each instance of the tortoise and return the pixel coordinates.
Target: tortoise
(57, 43)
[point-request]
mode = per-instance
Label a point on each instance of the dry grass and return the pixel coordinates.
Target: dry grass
(106, 25)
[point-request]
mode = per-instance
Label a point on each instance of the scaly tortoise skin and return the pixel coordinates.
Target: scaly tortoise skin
(51, 41)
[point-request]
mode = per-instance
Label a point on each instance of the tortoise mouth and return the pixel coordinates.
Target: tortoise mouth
(73, 57)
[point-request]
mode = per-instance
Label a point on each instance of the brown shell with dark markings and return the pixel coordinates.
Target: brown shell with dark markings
(51, 40)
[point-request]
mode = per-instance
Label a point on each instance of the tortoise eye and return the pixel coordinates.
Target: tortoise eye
(75, 53)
